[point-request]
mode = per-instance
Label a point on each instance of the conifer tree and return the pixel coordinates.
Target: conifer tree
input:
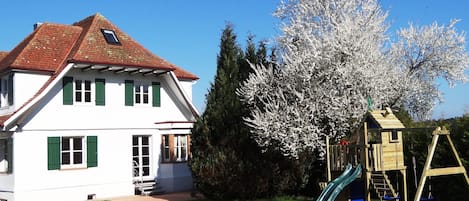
(223, 154)
(261, 53)
(249, 57)
(226, 162)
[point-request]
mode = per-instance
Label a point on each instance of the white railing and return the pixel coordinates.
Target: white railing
(138, 177)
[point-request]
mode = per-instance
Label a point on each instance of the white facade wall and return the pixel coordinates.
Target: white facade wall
(111, 178)
(114, 114)
(25, 86)
(187, 87)
(114, 124)
(7, 183)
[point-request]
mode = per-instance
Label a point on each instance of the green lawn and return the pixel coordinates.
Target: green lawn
(283, 198)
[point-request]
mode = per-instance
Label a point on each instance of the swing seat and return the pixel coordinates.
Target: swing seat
(429, 198)
(387, 197)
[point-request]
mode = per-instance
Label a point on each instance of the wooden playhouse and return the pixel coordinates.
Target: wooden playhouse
(378, 148)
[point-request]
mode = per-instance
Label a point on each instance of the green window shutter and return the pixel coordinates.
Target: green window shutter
(53, 153)
(129, 93)
(10, 89)
(67, 90)
(92, 151)
(100, 91)
(10, 154)
(156, 94)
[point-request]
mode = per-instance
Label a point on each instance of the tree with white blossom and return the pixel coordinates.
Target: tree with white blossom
(424, 54)
(335, 56)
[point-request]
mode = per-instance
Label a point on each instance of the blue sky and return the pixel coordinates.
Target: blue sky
(187, 33)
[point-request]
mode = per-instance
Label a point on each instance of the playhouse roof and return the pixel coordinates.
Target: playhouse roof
(385, 119)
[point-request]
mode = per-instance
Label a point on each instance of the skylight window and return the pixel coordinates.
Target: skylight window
(110, 37)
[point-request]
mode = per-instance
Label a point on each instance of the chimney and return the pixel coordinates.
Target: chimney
(36, 25)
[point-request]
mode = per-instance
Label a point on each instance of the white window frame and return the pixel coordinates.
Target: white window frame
(4, 159)
(111, 33)
(140, 156)
(73, 150)
(4, 92)
(83, 91)
(166, 148)
(141, 86)
(180, 143)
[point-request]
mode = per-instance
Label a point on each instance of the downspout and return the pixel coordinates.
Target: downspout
(21, 114)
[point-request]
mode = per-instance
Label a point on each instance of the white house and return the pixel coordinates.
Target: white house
(86, 112)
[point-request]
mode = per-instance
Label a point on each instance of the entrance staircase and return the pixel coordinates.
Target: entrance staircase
(147, 187)
(382, 186)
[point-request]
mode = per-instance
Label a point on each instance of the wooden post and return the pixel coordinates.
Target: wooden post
(456, 156)
(404, 185)
(367, 186)
(367, 163)
(426, 167)
(328, 159)
(365, 143)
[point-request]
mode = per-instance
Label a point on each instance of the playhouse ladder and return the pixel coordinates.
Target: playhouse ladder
(382, 185)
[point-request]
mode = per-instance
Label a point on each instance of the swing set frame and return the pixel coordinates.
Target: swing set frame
(431, 172)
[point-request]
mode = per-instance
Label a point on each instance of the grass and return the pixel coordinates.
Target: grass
(286, 198)
(281, 198)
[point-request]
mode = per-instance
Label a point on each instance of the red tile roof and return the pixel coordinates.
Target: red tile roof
(46, 49)
(51, 46)
(94, 48)
(3, 55)
(4, 118)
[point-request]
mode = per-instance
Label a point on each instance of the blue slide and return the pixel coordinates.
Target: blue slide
(333, 189)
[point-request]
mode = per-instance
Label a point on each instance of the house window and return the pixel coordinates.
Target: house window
(110, 37)
(180, 148)
(166, 148)
(3, 92)
(141, 155)
(141, 94)
(6, 91)
(83, 91)
(394, 136)
(175, 148)
(6, 156)
(72, 152)
(3, 155)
